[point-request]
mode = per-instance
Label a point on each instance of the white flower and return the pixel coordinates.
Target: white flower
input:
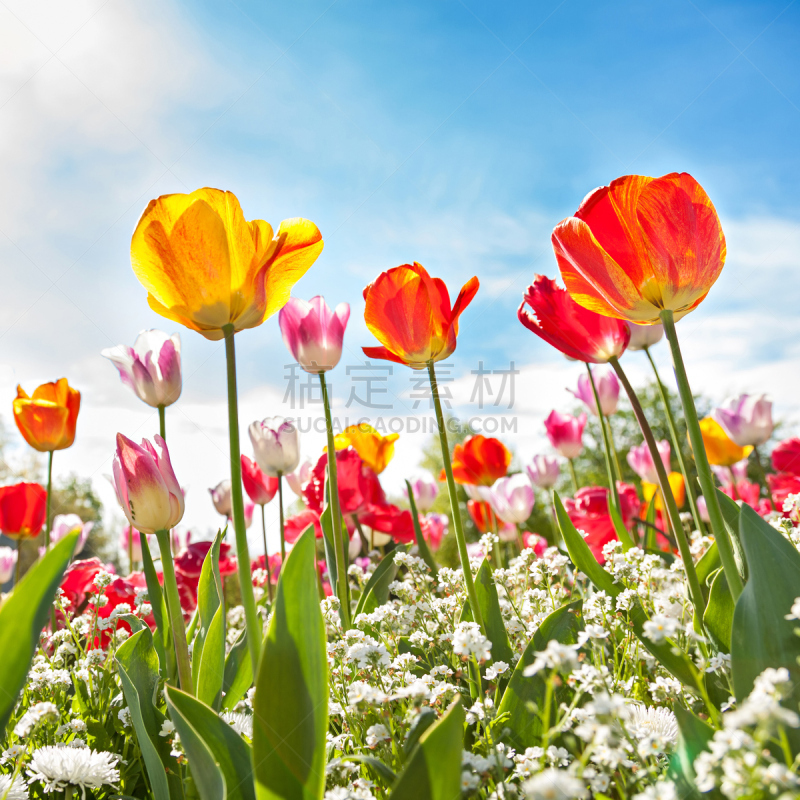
(554, 656)
(12, 788)
(645, 721)
(660, 628)
(469, 641)
(241, 723)
(554, 784)
(376, 734)
(59, 767)
(31, 718)
(498, 668)
(663, 790)
(795, 612)
(167, 728)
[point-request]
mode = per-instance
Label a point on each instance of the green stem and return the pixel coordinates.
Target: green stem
(617, 470)
(280, 511)
(573, 475)
(49, 500)
(252, 622)
(266, 553)
(673, 513)
(612, 484)
(175, 613)
(18, 565)
(130, 549)
(454, 509)
(676, 446)
(762, 474)
(701, 460)
(336, 516)
(162, 422)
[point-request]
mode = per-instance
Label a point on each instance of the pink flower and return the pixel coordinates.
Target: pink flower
(221, 498)
(152, 367)
(543, 471)
(747, 419)
(535, 542)
(644, 335)
(8, 561)
(434, 529)
(425, 489)
(730, 476)
(512, 498)
(67, 523)
(607, 390)
(276, 445)
(146, 486)
(300, 477)
(180, 539)
(136, 549)
(641, 462)
(313, 333)
(260, 488)
(565, 433)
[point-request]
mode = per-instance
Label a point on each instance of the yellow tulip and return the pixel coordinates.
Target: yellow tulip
(677, 484)
(721, 450)
(205, 266)
(376, 451)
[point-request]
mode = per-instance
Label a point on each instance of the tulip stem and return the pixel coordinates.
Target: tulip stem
(617, 470)
(18, 565)
(695, 592)
(162, 422)
(574, 477)
(762, 475)
(280, 512)
(266, 553)
(130, 549)
(49, 500)
(336, 516)
(252, 622)
(676, 445)
(454, 509)
(612, 484)
(175, 613)
(701, 460)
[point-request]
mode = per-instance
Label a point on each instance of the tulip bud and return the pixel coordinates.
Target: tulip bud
(146, 486)
(543, 472)
(641, 462)
(312, 333)
(221, 498)
(260, 488)
(425, 489)
(644, 335)
(607, 390)
(565, 433)
(275, 445)
(151, 368)
(512, 498)
(747, 419)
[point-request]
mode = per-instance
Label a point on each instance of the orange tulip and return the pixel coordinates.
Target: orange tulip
(376, 451)
(47, 418)
(479, 461)
(721, 450)
(409, 313)
(206, 267)
(676, 483)
(641, 245)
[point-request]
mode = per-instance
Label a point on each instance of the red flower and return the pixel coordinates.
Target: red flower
(123, 590)
(786, 456)
(482, 515)
(781, 486)
(535, 542)
(359, 486)
(390, 519)
(259, 563)
(573, 330)
(479, 461)
(260, 488)
(22, 510)
(77, 582)
(293, 527)
(746, 491)
(188, 566)
(588, 511)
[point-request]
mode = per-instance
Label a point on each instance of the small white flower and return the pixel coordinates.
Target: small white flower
(167, 728)
(59, 767)
(469, 641)
(376, 734)
(498, 668)
(660, 628)
(555, 656)
(795, 612)
(646, 721)
(554, 784)
(663, 790)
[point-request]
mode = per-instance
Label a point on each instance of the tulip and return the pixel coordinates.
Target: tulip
(577, 333)
(260, 488)
(130, 542)
(69, 523)
(479, 460)
(720, 449)
(512, 498)
(410, 314)
(644, 336)
(22, 510)
(565, 433)
(221, 498)
(702, 509)
(424, 488)
(543, 472)
(781, 486)
(730, 476)
(607, 390)
(275, 445)
(641, 462)
(151, 368)
(48, 417)
(641, 246)
(786, 456)
(482, 515)
(8, 560)
(312, 334)
(434, 529)
(376, 451)
(179, 539)
(299, 478)
(535, 542)
(746, 419)
(677, 485)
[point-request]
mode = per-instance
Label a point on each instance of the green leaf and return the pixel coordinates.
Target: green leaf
(163, 638)
(22, 617)
(209, 601)
(377, 586)
(291, 700)
(434, 770)
(718, 616)
(385, 773)
(486, 592)
(137, 664)
(693, 737)
(212, 662)
(731, 515)
(525, 727)
(762, 636)
(708, 564)
(422, 546)
(225, 748)
(426, 718)
(238, 676)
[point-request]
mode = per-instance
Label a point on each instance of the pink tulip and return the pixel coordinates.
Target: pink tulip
(146, 486)
(135, 547)
(607, 390)
(67, 523)
(276, 445)
(313, 333)
(747, 419)
(565, 433)
(300, 477)
(425, 489)
(8, 561)
(221, 498)
(249, 508)
(702, 509)
(730, 476)
(260, 488)
(543, 472)
(535, 542)
(644, 335)
(180, 539)
(434, 529)
(641, 462)
(152, 367)
(512, 498)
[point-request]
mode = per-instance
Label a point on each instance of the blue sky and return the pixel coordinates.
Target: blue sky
(452, 133)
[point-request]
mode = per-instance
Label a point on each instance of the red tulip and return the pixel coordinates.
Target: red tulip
(294, 527)
(389, 519)
(22, 510)
(565, 433)
(575, 331)
(781, 486)
(77, 582)
(260, 488)
(189, 561)
(482, 515)
(479, 461)
(786, 456)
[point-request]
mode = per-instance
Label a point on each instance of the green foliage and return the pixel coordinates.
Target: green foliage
(486, 592)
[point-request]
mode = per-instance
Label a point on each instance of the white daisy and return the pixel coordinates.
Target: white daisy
(12, 788)
(59, 767)
(647, 721)
(241, 723)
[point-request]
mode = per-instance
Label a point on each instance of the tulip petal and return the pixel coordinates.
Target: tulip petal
(384, 354)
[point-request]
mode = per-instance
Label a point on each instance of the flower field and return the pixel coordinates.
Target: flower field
(617, 624)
